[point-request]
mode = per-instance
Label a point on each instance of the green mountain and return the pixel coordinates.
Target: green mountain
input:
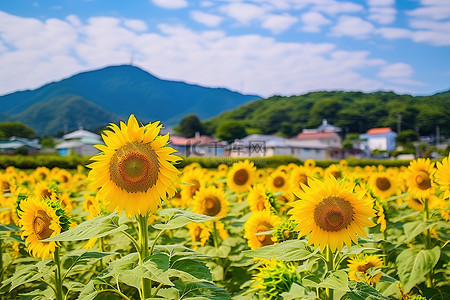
(95, 98)
(353, 111)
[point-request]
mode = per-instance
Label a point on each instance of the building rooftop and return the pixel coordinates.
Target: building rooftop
(381, 130)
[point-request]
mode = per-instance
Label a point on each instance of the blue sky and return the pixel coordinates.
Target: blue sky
(282, 47)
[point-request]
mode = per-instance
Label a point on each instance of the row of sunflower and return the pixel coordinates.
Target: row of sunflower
(136, 227)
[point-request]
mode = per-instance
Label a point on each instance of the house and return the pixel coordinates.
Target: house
(328, 139)
(380, 139)
(18, 145)
(257, 145)
(199, 145)
(79, 142)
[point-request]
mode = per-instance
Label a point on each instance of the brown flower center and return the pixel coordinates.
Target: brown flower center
(197, 232)
(336, 174)
(6, 187)
(365, 267)
(264, 239)
(134, 167)
(333, 214)
(194, 188)
(423, 180)
(278, 182)
(260, 204)
(41, 225)
(64, 178)
(46, 193)
(212, 206)
(240, 177)
(383, 183)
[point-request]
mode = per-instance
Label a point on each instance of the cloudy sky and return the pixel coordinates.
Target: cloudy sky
(264, 47)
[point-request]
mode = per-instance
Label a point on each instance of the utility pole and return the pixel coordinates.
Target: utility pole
(399, 123)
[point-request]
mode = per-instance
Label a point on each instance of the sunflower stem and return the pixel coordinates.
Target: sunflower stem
(426, 216)
(144, 253)
(154, 242)
(216, 243)
(330, 267)
(58, 278)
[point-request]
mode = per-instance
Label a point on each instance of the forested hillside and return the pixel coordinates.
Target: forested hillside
(353, 111)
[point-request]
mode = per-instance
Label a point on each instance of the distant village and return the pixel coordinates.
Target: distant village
(323, 142)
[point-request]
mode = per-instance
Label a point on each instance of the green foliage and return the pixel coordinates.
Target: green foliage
(189, 125)
(49, 161)
(291, 250)
(94, 228)
(47, 142)
(176, 218)
(406, 137)
(230, 131)
(17, 129)
(353, 111)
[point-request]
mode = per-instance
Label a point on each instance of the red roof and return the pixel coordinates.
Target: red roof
(178, 140)
(316, 135)
(379, 130)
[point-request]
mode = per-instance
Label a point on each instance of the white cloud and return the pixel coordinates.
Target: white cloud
(206, 19)
(136, 25)
(381, 2)
(352, 26)
(399, 73)
(397, 70)
(57, 49)
(383, 15)
(313, 21)
(432, 9)
(244, 13)
(332, 7)
(171, 4)
(278, 23)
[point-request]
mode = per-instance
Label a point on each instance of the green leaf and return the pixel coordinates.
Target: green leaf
(337, 280)
(200, 290)
(30, 273)
(81, 257)
(297, 292)
(291, 250)
(413, 264)
(177, 218)
(362, 291)
(95, 228)
(193, 266)
(9, 227)
(156, 266)
(222, 251)
(413, 229)
(46, 294)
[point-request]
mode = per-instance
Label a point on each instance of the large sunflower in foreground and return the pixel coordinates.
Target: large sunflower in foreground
(442, 176)
(40, 220)
(332, 212)
(210, 201)
(420, 178)
(240, 176)
(134, 171)
(260, 221)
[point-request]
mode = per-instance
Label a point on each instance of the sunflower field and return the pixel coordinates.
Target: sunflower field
(131, 225)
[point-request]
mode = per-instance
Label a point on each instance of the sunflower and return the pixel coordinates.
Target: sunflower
(258, 199)
(7, 184)
(359, 265)
(442, 176)
(381, 216)
(382, 185)
(210, 201)
(285, 231)
(278, 181)
(240, 177)
(39, 220)
(309, 163)
(199, 234)
(333, 170)
(332, 212)
(420, 174)
(274, 278)
(194, 179)
(300, 176)
(134, 171)
(46, 189)
(260, 221)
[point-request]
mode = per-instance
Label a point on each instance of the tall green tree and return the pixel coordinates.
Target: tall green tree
(230, 131)
(17, 129)
(189, 125)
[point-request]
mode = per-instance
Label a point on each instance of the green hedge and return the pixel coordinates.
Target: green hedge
(49, 161)
(71, 162)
